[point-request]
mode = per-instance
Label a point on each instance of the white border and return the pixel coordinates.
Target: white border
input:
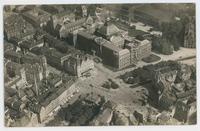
(117, 128)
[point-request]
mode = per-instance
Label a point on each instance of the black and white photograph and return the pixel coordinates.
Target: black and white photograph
(99, 64)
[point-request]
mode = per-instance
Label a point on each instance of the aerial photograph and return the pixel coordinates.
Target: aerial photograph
(99, 64)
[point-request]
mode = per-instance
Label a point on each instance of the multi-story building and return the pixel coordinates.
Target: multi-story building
(16, 27)
(133, 48)
(78, 64)
(138, 50)
(55, 100)
(63, 30)
(114, 56)
(13, 56)
(144, 48)
(99, 46)
(117, 40)
(112, 47)
(56, 59)
(59, 20)
(63, 47)
(107, 30)
(37, 17)
(16, 75)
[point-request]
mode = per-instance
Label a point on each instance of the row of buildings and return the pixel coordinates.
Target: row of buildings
(176, 90)
(32, 91)
(151, 14)
(109, 44)
(29, 98)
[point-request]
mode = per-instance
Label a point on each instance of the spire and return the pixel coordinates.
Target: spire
(107, 22)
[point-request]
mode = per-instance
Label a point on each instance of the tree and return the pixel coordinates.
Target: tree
(162, 45)
(173, 32)
(156, 46)
(175, 42)
(166, 47)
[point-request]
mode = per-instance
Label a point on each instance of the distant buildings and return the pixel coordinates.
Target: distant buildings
(126, 13)
(116, 51)
(151, 14)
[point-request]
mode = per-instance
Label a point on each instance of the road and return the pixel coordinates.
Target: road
(126, 96)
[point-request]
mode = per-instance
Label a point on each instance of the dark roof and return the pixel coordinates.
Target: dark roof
(108, 29)
(14, 66)
(16, 23)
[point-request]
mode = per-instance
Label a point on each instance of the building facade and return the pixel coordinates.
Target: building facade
(78, 65)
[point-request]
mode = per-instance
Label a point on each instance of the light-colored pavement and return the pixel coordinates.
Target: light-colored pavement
(128, 97)
(182, 53)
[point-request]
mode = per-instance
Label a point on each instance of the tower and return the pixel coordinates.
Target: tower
(84, 10)
(43, 63)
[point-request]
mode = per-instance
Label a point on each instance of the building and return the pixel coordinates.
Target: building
(37, 17)
(53, 9)
(56, 59)
(86, 42)
(78, 64)
(115, 56)
(117, 40)
(13, 56)
(190, 34)
(107, 30)
(144, 48)
(16, 27)
(55, 100)
(19, 58)
(133, 48)
(15, 73)
(138, 50)
(111, 54)
(62, 30)
(183, 111)
(58, 20)
(63, 47)
(34, 74)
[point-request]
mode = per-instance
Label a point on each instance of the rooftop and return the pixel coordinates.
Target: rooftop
(108, 29)
(112, 46)
(16, 23)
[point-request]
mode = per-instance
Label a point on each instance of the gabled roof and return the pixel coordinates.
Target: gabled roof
(108, 29)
